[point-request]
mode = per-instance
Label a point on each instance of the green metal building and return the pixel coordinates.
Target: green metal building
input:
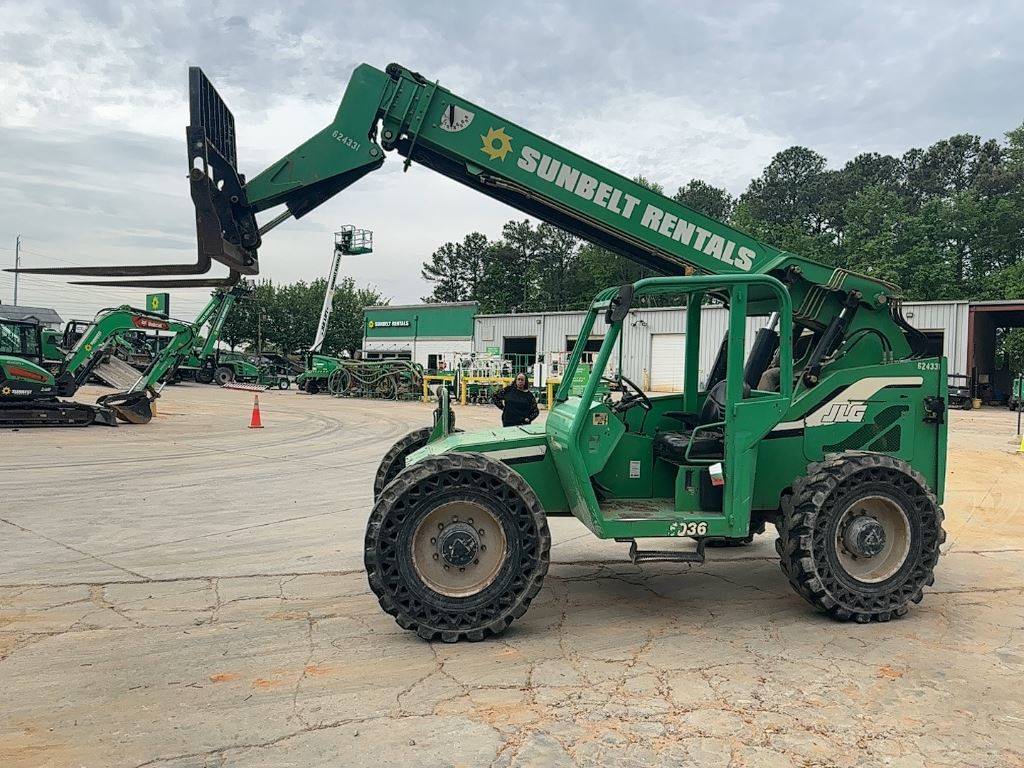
(429, 334)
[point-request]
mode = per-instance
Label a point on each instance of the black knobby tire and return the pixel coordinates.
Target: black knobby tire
(808, 548)
(223, 375)
(967, 404)
(418, 492)
(204, 376)
(394, 460)
(312, 387)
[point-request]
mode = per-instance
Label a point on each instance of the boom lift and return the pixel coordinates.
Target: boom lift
(832, 427)
(349, 241)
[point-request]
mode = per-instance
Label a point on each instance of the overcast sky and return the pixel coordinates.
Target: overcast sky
(93, 103)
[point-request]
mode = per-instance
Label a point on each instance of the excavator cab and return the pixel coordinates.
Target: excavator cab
(22, 339)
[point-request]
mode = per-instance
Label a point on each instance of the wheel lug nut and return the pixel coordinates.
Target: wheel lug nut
(433, 540)
(435, 555)
(481, 531)
(440, 526)
(483, 547)
(476, 562)
(470, 521)
(461, 569)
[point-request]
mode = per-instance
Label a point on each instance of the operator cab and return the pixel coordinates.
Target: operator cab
(19, 338)
(690, 454)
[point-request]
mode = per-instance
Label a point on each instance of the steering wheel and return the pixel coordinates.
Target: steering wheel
(629, 399)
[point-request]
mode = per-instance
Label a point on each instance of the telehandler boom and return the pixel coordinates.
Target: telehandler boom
(832, 426)
(201, 361)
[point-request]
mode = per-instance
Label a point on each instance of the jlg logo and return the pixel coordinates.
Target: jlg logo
(844, 413)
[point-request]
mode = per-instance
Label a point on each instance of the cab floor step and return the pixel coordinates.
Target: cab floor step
(665, 555)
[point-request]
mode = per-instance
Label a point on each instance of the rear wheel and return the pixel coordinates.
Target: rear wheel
(204, 375)
(859, 537)
(284, 383)
(457, 547)
(312, 386)
(223, 375)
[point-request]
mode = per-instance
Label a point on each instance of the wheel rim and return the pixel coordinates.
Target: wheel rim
(458, 549)
(873, 539)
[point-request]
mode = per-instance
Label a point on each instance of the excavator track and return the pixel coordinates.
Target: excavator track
(53, 413)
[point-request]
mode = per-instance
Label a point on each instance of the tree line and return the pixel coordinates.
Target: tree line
(284, 318)
(946, 222)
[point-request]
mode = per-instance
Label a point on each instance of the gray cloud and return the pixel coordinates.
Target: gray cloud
(93, 105)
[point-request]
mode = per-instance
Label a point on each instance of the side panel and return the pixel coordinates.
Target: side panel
(879, 409)
(524, 449)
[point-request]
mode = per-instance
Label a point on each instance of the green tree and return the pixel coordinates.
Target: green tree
(345, 331)
(456, 269)
(707, 199)
(445, 273)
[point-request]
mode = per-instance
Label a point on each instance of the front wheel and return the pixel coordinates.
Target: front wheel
(223, 375)
(859, 537)
(394, 460)
(457, 547)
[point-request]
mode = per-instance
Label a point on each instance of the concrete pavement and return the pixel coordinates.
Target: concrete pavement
(190, 593)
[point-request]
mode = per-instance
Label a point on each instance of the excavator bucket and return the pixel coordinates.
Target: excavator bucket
(131, 407)
(225, 223)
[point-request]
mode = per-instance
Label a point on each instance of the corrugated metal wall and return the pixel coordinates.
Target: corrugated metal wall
(552, 330)
(950, 317)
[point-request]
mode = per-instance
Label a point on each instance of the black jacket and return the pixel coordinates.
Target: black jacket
(518, 406)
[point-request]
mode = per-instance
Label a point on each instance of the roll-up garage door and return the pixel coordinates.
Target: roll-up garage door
(668, 359)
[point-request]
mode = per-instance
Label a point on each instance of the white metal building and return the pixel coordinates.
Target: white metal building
(653, 339)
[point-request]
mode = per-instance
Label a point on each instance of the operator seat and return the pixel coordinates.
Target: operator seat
(709, 443)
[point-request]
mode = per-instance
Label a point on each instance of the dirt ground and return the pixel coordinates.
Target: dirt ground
(190, 593)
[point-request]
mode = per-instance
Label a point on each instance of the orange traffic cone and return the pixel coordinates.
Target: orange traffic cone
(255, 423)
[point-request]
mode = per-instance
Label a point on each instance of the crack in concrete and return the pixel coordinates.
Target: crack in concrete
(73, 549)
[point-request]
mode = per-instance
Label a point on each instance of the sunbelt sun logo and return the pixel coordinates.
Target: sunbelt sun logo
(497, 143)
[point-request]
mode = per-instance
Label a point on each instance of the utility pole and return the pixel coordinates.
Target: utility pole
(17, 264)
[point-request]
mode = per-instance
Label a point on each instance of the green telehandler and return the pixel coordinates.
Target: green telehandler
(201, 362)
(832, 427)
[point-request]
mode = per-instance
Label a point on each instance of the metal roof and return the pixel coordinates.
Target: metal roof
(41, 315)
(424, 305)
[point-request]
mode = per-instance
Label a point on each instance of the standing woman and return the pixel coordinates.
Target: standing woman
(517, 403)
